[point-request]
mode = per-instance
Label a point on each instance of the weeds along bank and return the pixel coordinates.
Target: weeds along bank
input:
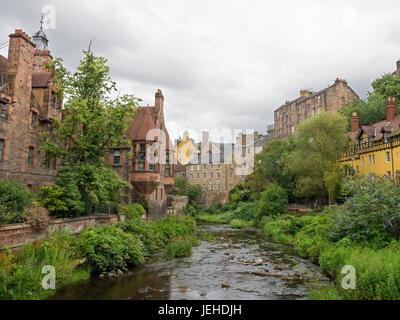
(96, 250)
(363, 232)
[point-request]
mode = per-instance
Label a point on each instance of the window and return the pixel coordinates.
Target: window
(47, 162)
(52, 99)
(362, 160)
(205, 175)
(373, 159)
(191, 168)
(370, 159)
(191, 176)
(388, 156)
(167, 166)
(58, 104)
(152, 167)
(30, 155)
(117, 157)
(1, 149)
(142, 156)
(218, 187)
(3, 110)
(218, 175)
(204, 167)
(218, 166)
(204, 187)
(33, 121)
(211, 187)
(53, 163)
(198, 167)
(198, 176)
(211, 175)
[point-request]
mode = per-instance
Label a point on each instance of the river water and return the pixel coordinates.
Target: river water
(220, 269)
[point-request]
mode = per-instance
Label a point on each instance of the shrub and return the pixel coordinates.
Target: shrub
(178, 249)
(109, 248)
(370, 214)
(59, 202)
(240, 224)
(190, 210)
(21, 271)
(14, 197)
(273, 201)
(134, 211)
(245, 211)
(38, 217)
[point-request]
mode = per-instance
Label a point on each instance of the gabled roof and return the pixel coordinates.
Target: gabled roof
(376, 130)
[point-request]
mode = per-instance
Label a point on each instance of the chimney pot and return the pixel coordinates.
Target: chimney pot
(391, 108)
(354, 121)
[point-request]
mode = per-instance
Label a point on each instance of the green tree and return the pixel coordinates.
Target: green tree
(372, 109)
(273, 201)
(271, 166)
(319, 142)
(93, 122)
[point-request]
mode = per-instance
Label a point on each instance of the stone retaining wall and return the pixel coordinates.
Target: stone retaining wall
(15, 235)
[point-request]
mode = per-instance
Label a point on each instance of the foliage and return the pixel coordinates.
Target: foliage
(241, 224)
(92, 124)
(186, 189)
(225, 217)
(273, 201)
(320, 140)
(38, 217)
(143, 202)
(271, 166)
(14, 197)
(134, 211)
(371, 213)
(21, 271)
(178, 249)
(373, 108)
(109, 248)
(245, 211)
(59, 202)
(240, 193)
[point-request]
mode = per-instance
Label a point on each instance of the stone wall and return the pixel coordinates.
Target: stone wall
(15, 235)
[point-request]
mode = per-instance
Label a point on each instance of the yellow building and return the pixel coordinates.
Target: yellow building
(375, 148)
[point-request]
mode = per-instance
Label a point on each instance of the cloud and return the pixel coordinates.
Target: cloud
(222, 64)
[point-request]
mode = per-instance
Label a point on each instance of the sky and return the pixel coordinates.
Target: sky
(222, 65)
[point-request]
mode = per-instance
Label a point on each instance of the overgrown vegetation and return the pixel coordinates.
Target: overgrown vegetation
(359, 233)
(14, 198)
(182, 188)
(98, 249)
(178, 249)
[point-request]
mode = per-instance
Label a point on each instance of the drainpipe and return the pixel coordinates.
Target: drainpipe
(391, 150)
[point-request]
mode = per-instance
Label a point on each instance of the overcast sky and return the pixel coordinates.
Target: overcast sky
(222, 64)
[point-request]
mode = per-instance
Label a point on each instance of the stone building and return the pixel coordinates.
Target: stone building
(28, 103)
(332, 98)
(150, 171)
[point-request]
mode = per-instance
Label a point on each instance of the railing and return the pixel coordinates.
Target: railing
(101, 209)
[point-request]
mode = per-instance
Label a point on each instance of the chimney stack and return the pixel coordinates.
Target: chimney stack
(354, 121)
(159, 102)
(305, 93)
(391, 108)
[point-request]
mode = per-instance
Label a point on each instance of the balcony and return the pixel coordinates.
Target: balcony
(145, 181)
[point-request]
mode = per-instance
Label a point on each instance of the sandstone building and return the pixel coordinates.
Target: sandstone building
(28, 103)
(332, 98)
(151, 177)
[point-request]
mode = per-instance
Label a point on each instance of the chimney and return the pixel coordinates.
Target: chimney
(305, 93)
(159, 102)
(354, 122)
(391, 108)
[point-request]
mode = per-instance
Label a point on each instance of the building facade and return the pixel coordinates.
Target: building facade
(28, 104)
(151, 169)
(332, 98)
(375, 149)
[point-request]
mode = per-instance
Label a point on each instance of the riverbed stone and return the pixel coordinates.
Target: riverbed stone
(282, 266)
(225, 285)
(258, 262)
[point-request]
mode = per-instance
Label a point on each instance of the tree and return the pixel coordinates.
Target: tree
(92, 124)
(373, 109)
(271, 166)
(319, 143)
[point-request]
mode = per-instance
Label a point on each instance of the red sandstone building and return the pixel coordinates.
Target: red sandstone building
(28, 103)
(151, 170)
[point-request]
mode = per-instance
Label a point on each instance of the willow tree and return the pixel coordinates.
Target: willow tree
(95, 119)
(319, 143)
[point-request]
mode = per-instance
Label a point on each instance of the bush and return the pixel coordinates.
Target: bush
(370, 214)
(109, 248)
(38, 217)
(240, 224)
(59, 202)
(273, 201)
(245, 211)
(14, 197)
(134, 211)
(178, 249)
(21, 271)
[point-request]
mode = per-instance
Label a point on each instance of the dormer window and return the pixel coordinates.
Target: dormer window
(385, 136)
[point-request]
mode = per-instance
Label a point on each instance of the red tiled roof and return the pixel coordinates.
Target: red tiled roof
(375, 130)
(40, 79)
(145, 120)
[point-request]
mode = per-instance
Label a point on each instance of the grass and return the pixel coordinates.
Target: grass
(224, 218)
(178, 249)
(241, 224)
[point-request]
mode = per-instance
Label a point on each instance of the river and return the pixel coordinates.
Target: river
(220, 269)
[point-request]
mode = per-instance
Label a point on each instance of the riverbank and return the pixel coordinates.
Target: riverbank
(376, 264)
(229, 264)
(107, 250)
